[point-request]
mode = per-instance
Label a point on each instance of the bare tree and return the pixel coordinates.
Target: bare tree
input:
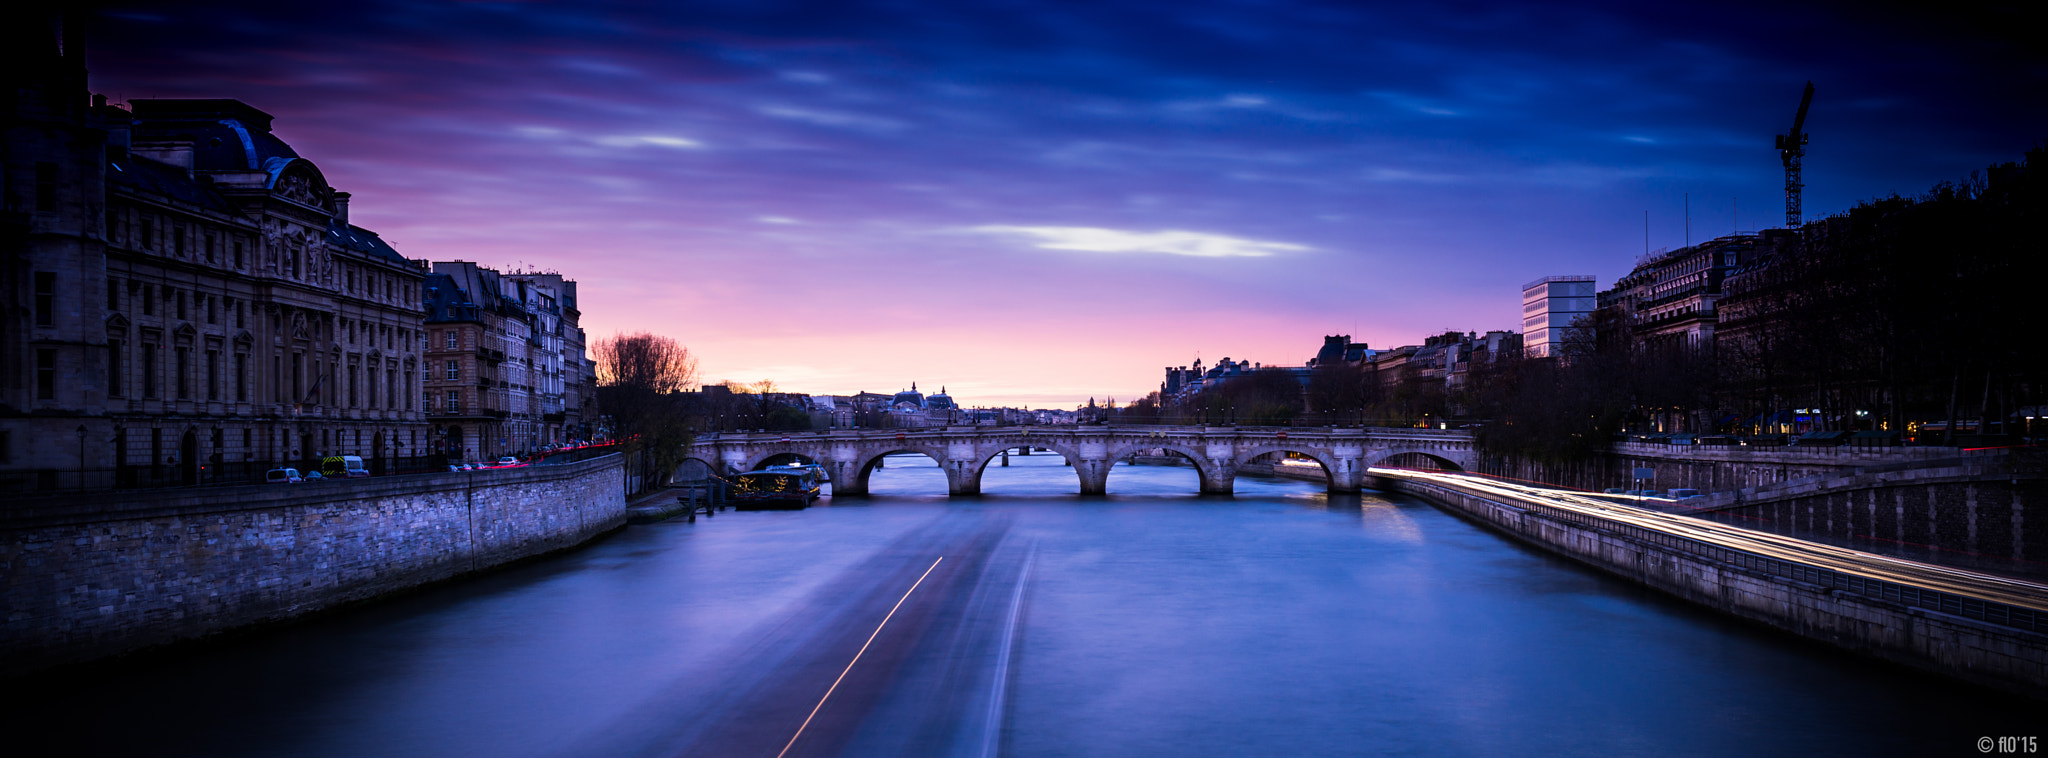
(640, 383)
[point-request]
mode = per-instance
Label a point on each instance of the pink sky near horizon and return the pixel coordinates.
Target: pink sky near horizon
(1041, 208)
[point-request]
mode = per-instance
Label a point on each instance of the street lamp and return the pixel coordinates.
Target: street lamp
(81, 456)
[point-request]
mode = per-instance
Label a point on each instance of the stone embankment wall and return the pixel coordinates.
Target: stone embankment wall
(88, 576)
(1768, 592)
(1709, 468)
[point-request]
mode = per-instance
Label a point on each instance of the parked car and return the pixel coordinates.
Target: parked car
(508, 461)
(314, 476)
(282, 476)
(1684, 493)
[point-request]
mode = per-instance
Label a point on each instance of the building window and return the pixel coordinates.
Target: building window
(181, 305)
(148, 233)
(46, 187)
(46, 298)
(408, 395)
(241, 311)
(212, 312)
(352, 386)
(115, 381)
(454, 372)
(178, 240)
(148, 300)
(46, 374)
(238, 253)
(148, 371)
(209, 248)
(113, 295)
(242, 377)
(213, 374)
(455, 401)
(391, 388)
(184, 368)
(454, 340)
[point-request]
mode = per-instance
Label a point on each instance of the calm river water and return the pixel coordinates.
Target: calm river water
(1149, 623)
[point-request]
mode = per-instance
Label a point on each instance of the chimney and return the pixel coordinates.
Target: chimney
(119, 123)
(341, 208)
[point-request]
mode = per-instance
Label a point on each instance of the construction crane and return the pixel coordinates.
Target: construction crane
(1791, 150)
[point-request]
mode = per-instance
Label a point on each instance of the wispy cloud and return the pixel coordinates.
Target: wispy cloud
(832, 118)
(1164, 242)
(648, 140)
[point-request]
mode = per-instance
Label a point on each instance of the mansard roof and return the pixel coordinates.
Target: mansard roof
(144, 175)
(445, 301)
(363, 241)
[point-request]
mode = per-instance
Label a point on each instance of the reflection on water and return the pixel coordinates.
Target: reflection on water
(1281, 621)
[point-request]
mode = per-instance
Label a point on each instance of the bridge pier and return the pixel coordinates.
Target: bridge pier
(1347, 477)
(1219, 479)
(846, 480)
(962, 478)
(1094, 475)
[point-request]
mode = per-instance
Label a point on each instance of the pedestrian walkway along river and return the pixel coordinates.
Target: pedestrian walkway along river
(1028, 622)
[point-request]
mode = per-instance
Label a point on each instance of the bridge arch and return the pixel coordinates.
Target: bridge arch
(1331, 466)
(767, 458)
(1205, 469)
(972, 474)
(865, 462)
(1409, 458)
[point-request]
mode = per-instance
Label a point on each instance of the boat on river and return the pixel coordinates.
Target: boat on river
(775, 488)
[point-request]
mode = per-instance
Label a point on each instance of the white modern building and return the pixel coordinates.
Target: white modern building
(1551, 306)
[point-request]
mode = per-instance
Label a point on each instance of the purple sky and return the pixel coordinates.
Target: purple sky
(1035, 203)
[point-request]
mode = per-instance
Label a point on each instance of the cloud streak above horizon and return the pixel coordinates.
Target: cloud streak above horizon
(1164, 242)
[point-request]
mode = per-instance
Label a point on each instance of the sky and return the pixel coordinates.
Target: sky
(1039, 203)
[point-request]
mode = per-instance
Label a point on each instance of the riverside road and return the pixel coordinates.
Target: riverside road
(1028, 621)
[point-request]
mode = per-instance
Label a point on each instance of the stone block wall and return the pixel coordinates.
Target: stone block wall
(88, 576)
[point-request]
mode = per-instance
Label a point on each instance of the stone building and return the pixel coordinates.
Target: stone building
(1671, 298)
(185, 299)
(558, 369)
(504, 358)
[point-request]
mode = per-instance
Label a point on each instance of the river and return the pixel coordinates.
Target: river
(1026, 622)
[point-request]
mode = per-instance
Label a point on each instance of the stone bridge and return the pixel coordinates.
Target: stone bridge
(964, 452)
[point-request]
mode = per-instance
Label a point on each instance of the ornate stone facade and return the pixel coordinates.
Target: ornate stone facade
(198, 307)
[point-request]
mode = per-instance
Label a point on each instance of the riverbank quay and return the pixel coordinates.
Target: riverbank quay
(84, 577)
(666, 503)
(1977, 627)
